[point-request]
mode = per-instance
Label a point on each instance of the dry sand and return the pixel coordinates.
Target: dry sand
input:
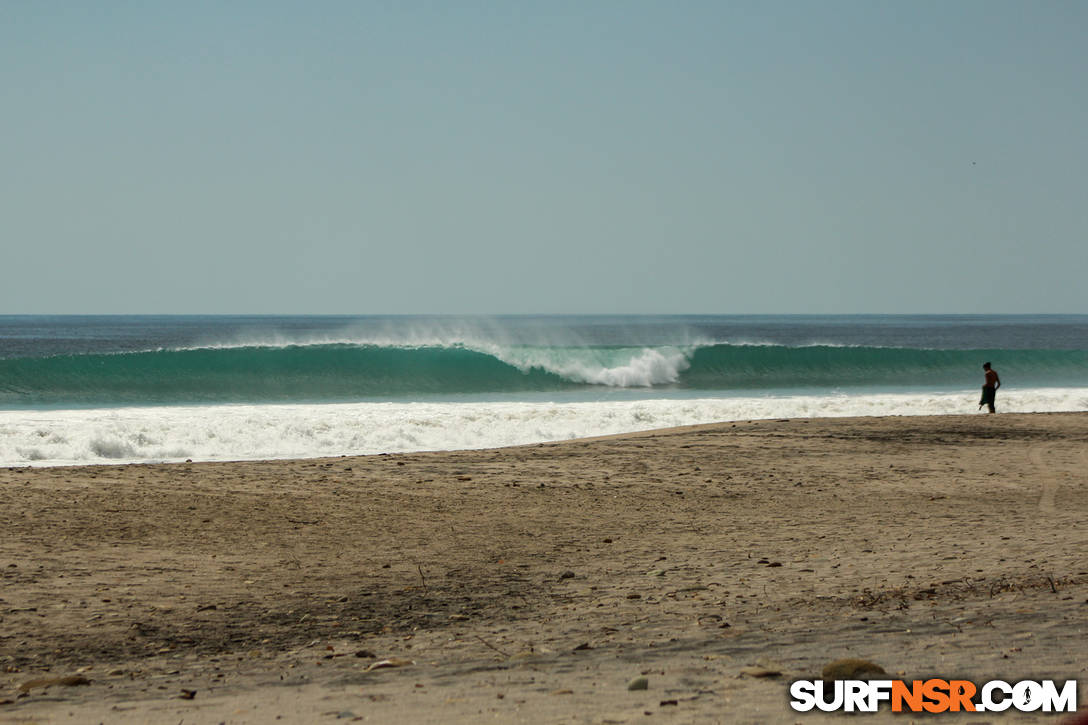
(531, 584)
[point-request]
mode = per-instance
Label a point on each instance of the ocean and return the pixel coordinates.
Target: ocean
(123, 389)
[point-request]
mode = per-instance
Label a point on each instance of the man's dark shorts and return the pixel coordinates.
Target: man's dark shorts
(988, 396)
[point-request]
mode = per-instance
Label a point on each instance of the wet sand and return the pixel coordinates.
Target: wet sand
(531, 584)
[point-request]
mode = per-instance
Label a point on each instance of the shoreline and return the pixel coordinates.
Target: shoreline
(531, 583)
(241, 433)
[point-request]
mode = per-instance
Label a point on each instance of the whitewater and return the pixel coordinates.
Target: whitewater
(258, 432)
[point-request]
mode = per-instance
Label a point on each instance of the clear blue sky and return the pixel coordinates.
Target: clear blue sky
(544, 157)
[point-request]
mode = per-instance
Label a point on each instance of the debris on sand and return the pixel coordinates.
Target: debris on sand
(391, 662)
(67, 681)
(760, 672)
(852, 669)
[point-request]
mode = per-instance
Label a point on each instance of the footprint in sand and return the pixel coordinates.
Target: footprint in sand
(1042, 458)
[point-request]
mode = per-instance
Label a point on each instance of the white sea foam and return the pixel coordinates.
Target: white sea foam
(247, 432)
(619, 368)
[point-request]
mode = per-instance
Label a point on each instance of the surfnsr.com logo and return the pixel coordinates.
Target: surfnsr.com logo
(933, 695)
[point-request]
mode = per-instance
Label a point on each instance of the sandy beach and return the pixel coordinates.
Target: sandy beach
(532, 584)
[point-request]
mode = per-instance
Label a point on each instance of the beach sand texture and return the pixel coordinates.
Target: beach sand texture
(532, 584)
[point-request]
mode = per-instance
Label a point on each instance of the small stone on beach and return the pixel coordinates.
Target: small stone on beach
(638, 683)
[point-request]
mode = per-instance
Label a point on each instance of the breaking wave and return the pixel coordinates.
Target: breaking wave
(342, 372)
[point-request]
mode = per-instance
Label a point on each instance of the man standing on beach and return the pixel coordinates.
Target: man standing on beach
(989, 388)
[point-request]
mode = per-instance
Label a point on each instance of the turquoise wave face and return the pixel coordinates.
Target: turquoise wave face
(310, 373)
(819, 366)
(342, 372)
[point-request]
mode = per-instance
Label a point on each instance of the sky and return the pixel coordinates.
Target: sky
(505, 157)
